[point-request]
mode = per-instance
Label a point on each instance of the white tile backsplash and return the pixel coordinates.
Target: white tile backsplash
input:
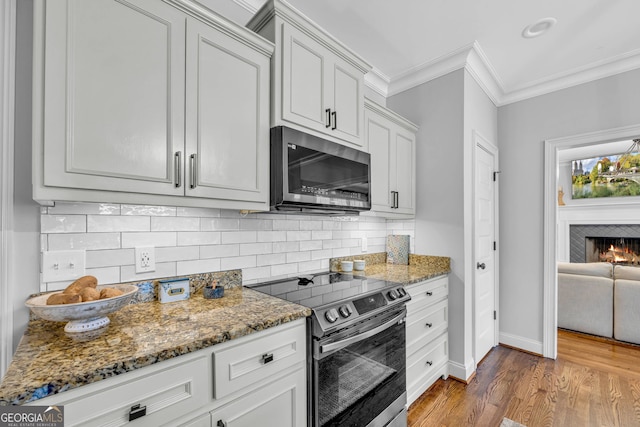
(265, 246)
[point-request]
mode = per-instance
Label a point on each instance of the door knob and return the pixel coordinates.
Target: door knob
(482, 266)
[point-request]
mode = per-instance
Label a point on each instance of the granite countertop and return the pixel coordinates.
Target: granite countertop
(48, 361)
(420, 268)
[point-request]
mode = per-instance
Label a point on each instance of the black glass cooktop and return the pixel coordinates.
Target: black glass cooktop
(320, 289)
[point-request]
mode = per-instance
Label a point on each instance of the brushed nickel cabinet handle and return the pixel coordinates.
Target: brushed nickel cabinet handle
(429, 293)
(328, 111)
(192, 165)
(429, 325)
(335, 120)
(221, 423)
(429, 362)
(177, 168)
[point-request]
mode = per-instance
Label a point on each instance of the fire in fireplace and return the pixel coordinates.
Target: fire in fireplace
(613, 249)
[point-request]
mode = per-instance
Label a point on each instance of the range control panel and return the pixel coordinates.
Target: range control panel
(346, 312)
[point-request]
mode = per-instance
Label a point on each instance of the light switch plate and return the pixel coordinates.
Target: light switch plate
(58, 266)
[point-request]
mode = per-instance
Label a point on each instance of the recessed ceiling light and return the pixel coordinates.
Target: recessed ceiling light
(538, 28)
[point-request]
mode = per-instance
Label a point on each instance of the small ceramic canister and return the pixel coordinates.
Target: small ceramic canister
(213, 292)
(358, 264)
(346, 265)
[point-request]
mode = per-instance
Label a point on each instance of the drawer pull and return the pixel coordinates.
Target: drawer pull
(137, 411)
(429, 325)
(429, 362)
(429, 293)
(266, 358)
(221, 424)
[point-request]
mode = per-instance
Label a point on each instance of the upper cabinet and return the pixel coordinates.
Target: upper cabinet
(317, 83)
(149, 102)
(392, 144)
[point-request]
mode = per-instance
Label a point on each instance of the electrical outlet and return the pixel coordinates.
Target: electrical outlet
(364, 244)
(145, 259)
(58, 266)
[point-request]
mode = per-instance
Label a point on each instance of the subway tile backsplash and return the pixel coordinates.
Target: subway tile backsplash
(265, 246)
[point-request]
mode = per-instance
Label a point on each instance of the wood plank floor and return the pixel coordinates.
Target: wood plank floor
(593, 382)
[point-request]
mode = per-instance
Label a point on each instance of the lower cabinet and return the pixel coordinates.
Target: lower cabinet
(259, 379)
(427, 336)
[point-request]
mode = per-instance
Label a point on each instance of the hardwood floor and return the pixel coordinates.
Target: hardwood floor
(592, 383)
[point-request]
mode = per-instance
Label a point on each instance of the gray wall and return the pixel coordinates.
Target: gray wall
(26, 216)
(437, 107)
(522, 129)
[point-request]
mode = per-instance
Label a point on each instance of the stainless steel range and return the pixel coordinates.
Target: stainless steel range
(356, 347)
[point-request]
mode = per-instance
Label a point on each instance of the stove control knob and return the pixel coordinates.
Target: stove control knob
(331, 315)
(402, 292)
(393, 294)
(345, 311)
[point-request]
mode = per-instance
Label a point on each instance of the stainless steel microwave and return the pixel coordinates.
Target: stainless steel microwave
(313, 175)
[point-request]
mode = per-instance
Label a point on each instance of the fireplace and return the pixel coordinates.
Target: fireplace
(615, 243)
(614, 250)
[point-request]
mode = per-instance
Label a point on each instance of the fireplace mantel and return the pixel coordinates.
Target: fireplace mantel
(618, 213)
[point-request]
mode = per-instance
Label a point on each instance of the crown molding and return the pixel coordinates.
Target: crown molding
(473, 59)
(252, 6)
(429, 70)
(377, 81)
(588, 73)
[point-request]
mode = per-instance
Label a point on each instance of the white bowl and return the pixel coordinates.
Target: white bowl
(358, 264)
(82, 316)
(346, 265)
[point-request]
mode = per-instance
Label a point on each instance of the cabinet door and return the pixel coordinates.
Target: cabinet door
(348, 101)
(281, 403)
(379, 134)
(114, 95)
(227, 119)
(304, 79)
(405, 171)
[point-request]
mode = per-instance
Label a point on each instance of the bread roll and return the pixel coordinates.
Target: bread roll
(81, 283)
(89, 294)
(110, 293)
(62, 298)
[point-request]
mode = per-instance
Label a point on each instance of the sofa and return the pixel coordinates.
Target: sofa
(600, 299)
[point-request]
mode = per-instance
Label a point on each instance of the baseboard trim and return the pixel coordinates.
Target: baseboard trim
(521, 343)
(460, 372)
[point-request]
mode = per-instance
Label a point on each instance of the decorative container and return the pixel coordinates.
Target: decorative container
(213, 292)
(172, 290)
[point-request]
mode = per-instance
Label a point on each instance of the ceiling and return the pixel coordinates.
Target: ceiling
(412, 41)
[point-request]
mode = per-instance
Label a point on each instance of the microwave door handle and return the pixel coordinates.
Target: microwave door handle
(363, 336)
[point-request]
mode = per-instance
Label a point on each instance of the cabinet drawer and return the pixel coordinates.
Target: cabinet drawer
(168, 394)
(239, 366)
(426, 324)
(427, 359)
(427, 292)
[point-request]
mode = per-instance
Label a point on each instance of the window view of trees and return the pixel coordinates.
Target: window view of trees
(611, 176)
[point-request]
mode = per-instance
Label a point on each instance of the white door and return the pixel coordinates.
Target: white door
(405, 173)
(485, 251)
(304, 80)
(378, 134)
(114, 95)
(348, 102)
(227, 119)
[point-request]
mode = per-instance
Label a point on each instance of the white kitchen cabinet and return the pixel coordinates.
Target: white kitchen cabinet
(317, 83)
(149, 102)
(392, 143)
(427, 335)
(281, 403)
(241, 382)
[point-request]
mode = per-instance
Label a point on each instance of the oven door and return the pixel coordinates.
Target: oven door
(359, 373)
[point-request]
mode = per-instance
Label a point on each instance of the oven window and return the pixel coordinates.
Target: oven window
(358, 382)
(319, 174)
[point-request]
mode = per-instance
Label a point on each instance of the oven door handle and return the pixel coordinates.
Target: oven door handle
(363, 336)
